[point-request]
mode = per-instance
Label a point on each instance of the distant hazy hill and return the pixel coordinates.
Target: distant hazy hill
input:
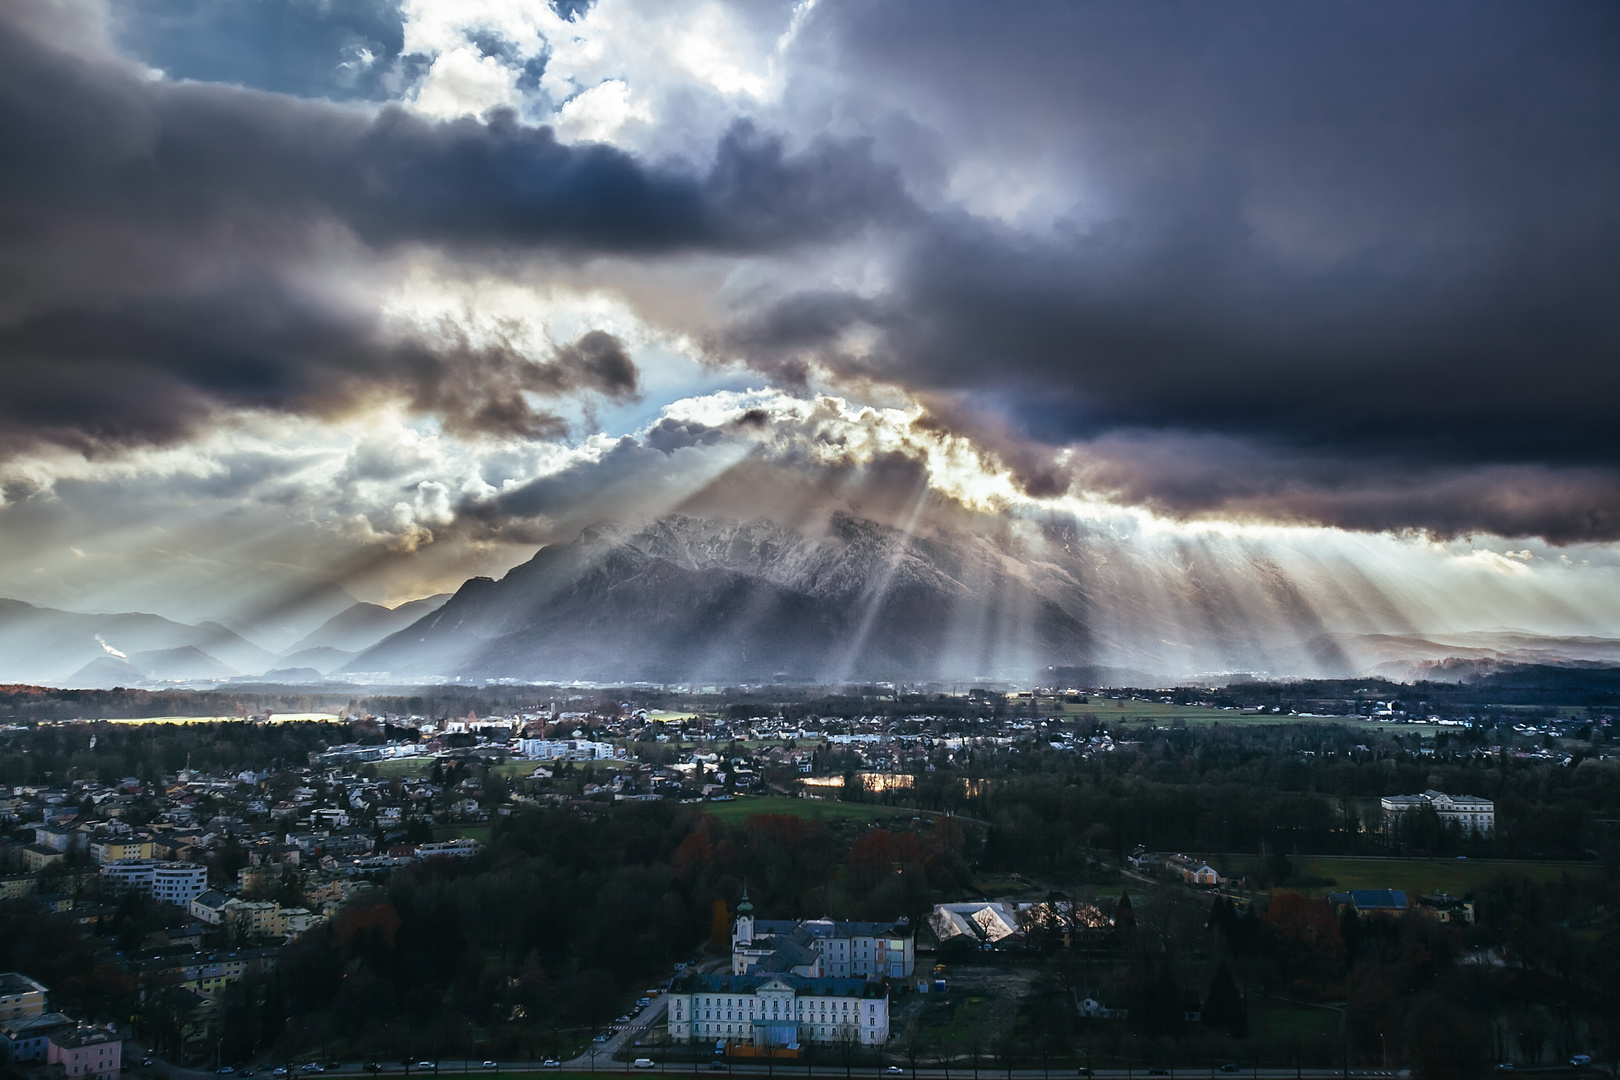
(362, 625)
(321, 659)
(279, 609)
(104, 673)
(688, 598)
(289, 676)
(185, 664)
(45, 645)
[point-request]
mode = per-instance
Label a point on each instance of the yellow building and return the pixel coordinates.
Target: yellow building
(37, 857)
(259, 918)
(20, 997)
(257, 882)
(111, 851)
(17, 886)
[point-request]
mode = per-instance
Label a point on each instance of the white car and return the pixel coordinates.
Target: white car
(643, 1063)
(551, 1063)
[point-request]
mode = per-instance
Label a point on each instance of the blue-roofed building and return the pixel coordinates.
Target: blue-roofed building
(23, 1038)
(816, 948)
(775, 1009)
(1370, 901)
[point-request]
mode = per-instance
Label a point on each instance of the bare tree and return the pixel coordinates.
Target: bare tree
(849, 1044)
(911, 1043)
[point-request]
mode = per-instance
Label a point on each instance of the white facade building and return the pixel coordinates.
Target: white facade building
(1472, 814)
(778, 1010)
(464, 848)
(176, 883)
(568, 750)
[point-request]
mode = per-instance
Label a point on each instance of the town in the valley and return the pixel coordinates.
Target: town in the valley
(1092, 879)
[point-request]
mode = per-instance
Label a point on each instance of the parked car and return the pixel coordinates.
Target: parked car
(895, 1070)
(551, 1063)
(147, 1062)
(489, 1064)
(1580, 1059)
(427, 1065)
(224, 1071)
(718, 1066)
(1230, 1066)
(245, 1072)
(643, 1063)
(279, 1070)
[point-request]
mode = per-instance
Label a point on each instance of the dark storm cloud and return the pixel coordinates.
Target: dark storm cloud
(1349, 263)
(145, 368)
(163, 245)
(1384, 237)
(1181, 476)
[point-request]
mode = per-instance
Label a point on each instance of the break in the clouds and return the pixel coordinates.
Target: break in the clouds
(1352, 267)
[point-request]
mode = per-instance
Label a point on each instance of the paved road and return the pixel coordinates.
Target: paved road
(601, 1054)
(603, 1062)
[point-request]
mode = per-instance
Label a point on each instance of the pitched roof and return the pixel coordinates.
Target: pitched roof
(695, 983)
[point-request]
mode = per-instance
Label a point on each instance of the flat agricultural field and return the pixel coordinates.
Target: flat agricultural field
(1418, 876)
(811, 809)
(1162, 715)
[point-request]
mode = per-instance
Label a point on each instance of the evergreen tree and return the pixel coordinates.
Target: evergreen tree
(1224, 1006)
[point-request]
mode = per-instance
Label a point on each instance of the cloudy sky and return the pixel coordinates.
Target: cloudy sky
(389, 292)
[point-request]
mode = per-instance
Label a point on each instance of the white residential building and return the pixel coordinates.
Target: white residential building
(176, 883)
(464, 848)
(1193, 871)
(1472, 814)
(568, 749)
(778, 1010)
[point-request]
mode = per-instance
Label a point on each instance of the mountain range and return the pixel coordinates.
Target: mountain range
(683, 599)
(82, 650)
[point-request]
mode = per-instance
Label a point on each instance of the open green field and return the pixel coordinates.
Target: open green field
(479, 833)
(1163, 715)
(1276, 1016)
(1418, 876)
(411, 768)
(811, 809)
(665, 716)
